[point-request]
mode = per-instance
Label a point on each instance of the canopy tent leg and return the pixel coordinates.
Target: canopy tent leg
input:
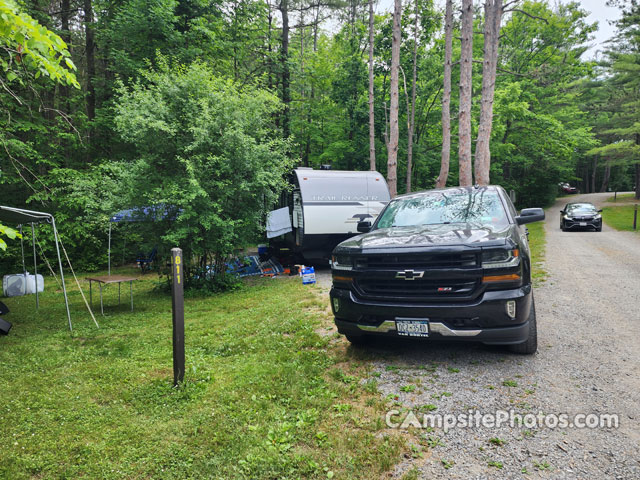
(35, 263)
(24, 265)
(109, 249)
(64, 287)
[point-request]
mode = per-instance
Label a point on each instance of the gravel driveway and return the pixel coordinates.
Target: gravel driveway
(588, 362)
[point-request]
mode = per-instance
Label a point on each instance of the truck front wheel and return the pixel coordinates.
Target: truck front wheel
(530, 345)
(358, 340)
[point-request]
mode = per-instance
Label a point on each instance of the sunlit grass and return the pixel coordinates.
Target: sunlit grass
(620, 218)
(258, 399)
(623, 198)
(537, 243)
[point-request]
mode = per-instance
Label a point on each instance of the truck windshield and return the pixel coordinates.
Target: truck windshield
(475, 206)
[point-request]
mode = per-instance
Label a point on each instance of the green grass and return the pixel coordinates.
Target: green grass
(537, 243)
(620, 218)
(623, 198)
(265, 396)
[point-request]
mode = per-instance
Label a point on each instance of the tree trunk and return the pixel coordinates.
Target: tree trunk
(372, 125)
(605, 179)
(593, 174)
(65, 34)
(91, 64)
(65, 10)
(304, 152)
(392, 161)
(284, 58)
(269, 48)
(412, 116)
(307, 150)
(492, 19)
(446, 98)
(464, 116)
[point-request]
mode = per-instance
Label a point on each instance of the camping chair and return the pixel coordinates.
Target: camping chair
(145, 261)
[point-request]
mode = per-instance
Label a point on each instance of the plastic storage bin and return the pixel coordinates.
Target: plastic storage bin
(21, 284)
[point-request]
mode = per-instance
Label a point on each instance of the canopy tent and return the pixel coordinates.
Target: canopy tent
(20, 217)
(141, 214)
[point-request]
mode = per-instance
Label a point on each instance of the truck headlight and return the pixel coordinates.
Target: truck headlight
(500, 258)
(341, 262)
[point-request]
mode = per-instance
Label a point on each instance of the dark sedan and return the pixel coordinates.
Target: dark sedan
(576, 216)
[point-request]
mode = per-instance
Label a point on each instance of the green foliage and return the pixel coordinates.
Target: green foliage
(160, 131)
(24, 41)
(539, 131)
(10, 233)
(206, 151)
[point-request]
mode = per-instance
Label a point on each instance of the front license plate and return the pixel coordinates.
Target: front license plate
(583, 224)
(413, 328)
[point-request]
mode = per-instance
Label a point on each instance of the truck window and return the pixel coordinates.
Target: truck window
(479, 207)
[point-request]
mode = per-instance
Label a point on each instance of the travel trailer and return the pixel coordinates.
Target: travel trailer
(323, 208)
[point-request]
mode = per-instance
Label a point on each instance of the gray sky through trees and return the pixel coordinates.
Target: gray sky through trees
(598, 8)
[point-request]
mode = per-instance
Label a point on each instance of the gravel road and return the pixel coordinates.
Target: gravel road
(588, 362)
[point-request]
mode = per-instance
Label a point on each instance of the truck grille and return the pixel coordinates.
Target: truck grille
(420, 288)
(417, 261)
(432, 277)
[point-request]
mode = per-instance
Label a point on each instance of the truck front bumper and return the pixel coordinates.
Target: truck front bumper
(487, 319)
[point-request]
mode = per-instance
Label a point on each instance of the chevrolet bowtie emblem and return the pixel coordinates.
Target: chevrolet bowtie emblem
(409, 274)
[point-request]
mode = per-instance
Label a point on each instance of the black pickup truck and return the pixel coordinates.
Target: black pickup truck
(441, 264)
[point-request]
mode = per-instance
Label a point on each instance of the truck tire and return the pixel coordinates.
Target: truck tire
(530, 345)
(358, 340)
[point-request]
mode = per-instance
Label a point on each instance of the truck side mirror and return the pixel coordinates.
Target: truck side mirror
(528, 215)
(364, 226)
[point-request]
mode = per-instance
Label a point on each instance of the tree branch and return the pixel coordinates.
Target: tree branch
(504, 70)
(535, 17)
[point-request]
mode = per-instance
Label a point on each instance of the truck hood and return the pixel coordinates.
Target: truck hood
(445, 235)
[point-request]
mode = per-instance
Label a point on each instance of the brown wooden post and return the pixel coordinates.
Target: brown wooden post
(177, 303)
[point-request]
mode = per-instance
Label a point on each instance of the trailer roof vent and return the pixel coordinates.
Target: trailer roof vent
(325, 167)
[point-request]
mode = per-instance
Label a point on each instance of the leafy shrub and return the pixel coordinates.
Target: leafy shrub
(206, 151)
